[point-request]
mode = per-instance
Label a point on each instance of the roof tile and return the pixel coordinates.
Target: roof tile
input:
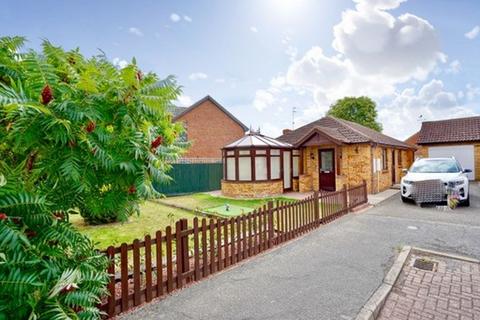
(343, 131)
(451, 130)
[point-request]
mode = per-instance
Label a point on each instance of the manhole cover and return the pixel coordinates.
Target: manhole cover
(424, 264)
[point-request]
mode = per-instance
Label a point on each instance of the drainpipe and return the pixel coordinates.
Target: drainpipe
(371, 166)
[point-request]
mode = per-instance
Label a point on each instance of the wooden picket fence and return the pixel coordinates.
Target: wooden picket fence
(153, 267)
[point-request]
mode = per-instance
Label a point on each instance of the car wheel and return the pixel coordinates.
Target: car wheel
(466, 202)
(405, 199)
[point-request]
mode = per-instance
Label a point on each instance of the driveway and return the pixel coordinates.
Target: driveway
(328, 274)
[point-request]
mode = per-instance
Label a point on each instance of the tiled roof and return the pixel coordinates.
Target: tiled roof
(452, 130)
(176, 111)
(412, 139)
(341, 131)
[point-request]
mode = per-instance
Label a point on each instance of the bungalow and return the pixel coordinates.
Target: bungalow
(326, 154)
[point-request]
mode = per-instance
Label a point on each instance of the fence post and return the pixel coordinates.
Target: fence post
(365, 191)
(181, 251)
(316, 208)
(270, 223)
(111, 285)
(345, 198)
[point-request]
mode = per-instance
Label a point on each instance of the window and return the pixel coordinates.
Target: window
(260, 168)
(244, 168)
(296, 162)
(256, 164)
(384, 159)
(230, 168)
(274, 164)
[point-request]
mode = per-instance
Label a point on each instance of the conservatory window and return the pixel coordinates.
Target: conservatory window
(260, 168)
(244, 169)
(230, 168)
(275, 167)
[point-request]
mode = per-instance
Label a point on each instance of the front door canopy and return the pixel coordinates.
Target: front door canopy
(316, 137)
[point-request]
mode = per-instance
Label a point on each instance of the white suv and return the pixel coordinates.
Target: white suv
(448, 170)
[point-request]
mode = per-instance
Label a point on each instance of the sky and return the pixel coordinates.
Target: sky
(419, 60)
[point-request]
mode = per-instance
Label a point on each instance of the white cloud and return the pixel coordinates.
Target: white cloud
(197, 76)
(472, 34)
(454, 67)
(135, 31)
(401, 117)
(184, 101)
(220, 80)
(119, 62)
(253, 29)
(187, 18)
(263, 99)
(472, 91)
(175, 17)
(377, 43)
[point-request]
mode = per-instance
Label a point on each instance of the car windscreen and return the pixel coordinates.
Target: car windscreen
(435, 166)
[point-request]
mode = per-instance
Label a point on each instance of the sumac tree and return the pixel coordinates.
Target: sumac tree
(95, 136)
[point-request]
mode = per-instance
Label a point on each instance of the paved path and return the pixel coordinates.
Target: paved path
(450, 291)
(328, 274)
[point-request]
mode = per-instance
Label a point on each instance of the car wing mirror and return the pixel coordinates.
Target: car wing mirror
(405, 171)
(467, 170)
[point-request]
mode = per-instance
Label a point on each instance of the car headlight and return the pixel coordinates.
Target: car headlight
(457, 182)
(407, 181)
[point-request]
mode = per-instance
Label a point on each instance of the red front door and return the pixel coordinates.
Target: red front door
(326, 158)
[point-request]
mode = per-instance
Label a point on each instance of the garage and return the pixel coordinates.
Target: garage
(459, 138)
(463, 153)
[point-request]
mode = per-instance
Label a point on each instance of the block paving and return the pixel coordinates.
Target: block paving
(451, 291)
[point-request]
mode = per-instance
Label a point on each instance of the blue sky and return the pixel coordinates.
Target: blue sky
(260, 58)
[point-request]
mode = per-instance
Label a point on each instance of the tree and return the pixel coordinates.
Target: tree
(94, 136)
(76, 134)
(361, 110)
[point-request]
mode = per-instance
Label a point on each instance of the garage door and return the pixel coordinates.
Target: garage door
(464, 154)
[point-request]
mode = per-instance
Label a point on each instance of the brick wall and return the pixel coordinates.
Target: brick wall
(209, 129)
(251, 189)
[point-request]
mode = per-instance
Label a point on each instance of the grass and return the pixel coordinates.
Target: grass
(157, 216)
(154, 216)
(203, 201)
(233, 210)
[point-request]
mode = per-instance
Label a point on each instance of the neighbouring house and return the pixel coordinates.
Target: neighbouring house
(459, 138)
(208, 126)
(326, 154)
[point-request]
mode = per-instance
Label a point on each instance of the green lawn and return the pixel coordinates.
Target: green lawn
(203, 201)
(154, 216)
(232, 211)
(157, 216)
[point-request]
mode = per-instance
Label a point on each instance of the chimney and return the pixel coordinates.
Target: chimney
(285, 131)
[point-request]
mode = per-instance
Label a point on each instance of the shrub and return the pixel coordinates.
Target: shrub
(48, 270)
(93, 135)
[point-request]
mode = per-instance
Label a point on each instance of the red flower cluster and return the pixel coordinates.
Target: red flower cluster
(155, 143)
(58, 216)
(90, 127)
(132, 189)
(3, 216)
(47, 94)
(30, 233)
